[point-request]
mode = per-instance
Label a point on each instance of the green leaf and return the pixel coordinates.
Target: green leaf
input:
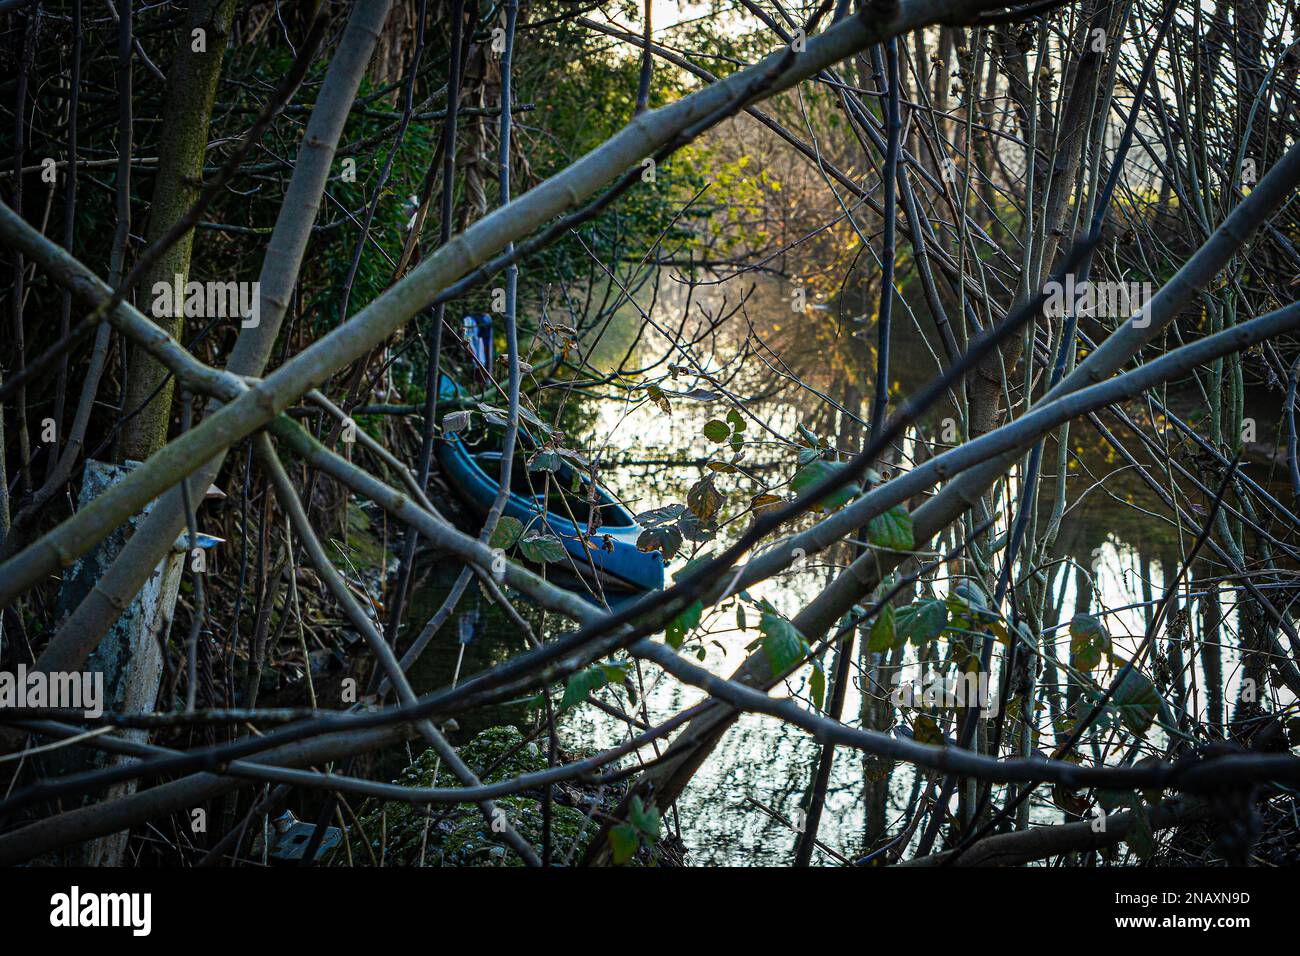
(580, 685)
(783, 645)
(681, 625)
(540, 548)
(969, 605)
(817, 685)
(1138, 701)
(1140, 836)
(506, 533)
(892, 530)
(807, 455)
(644, 819)
(691, 566)
(1088, 641)
(617, 672)
(922, 621)
(1112, 800)
(884, 632)
(816, 471)
(623, 843)
(737, 423)
(716, 431)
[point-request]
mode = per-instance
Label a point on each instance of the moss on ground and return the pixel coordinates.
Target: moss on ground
(405, 834)
(364, 552)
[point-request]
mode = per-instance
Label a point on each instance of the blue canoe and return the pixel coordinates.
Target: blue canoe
(612, 554)
(609, 554)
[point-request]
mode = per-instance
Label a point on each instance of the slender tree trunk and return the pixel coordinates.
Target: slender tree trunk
(187, 115)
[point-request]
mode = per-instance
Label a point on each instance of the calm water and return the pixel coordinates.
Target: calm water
(732, 812)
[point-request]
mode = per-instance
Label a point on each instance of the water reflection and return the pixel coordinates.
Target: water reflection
(1116, 547)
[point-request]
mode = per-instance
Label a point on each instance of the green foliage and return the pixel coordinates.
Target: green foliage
(584, 90)
(1140, 837)
(820, 470)
(922, 621)
(581, 684)
(682, 624)
(731, 431)
(1138, 701)
(623, 843)
(783, 645)
(716, 431)
(506, 533)
(1088, 641)
(542, 548)
(969, 605)
(641, 829)
(884, 634)
(399, 834)
(817, 685)
(892, 530)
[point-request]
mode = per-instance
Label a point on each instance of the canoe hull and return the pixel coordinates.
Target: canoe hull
(613, 555)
